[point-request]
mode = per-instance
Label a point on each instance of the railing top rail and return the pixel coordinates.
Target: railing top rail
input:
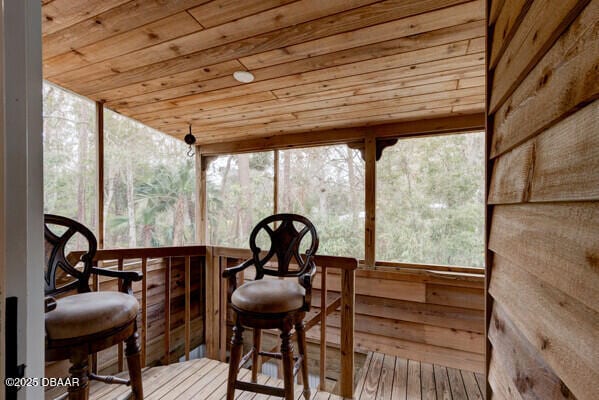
(347, 263)
(390, 266)
(150, 252)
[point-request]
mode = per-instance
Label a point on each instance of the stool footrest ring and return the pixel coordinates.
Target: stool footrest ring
(257, 388)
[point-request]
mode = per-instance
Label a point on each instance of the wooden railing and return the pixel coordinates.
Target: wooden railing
(211, 261)
(139, 259)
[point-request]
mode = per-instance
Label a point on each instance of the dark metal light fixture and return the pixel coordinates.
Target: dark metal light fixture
(190, 139)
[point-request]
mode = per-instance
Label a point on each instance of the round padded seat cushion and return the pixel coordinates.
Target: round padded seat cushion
(90, 313)
(269, 296)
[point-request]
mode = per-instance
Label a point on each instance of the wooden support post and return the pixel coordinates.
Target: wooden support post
(212, 280)
(94, 357)
(276, 183)
(370, 199)
(144, 309)
(201, 222)
(167, 312)
(100, 172)
(222, 315)
(120, 345)
(187, 306)
(346, 386)
(323, 329)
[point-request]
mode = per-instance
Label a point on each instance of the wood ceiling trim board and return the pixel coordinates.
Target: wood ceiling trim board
(246, 99)
(477, 45)
(349, 80)
(467, 108)
(375, 50)
(453, 95)
(372, 111)
(123, 18)
(257, 131)
(225, 42)
(314, 104)
(437, 37)
(471, 81)
(164, 29)
(200, 111)
(405, 72)
(60, 14)
(222, 11)
(335, 136)
(383, 115)
(153, 85)
(382, 63)
(404, 27)
(249, 100)
(328, 110)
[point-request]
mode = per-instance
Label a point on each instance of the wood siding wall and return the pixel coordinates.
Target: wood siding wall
(420, 315)
(543, 130)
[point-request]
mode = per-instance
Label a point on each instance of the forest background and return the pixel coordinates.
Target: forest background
(430, 191)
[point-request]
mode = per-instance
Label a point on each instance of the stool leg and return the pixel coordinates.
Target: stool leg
(256, 364)
(133, 354)
(79, 370)
(287, 355)
(236, 350)
(301, 344)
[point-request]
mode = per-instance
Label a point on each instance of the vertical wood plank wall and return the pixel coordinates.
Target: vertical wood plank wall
(543, 121)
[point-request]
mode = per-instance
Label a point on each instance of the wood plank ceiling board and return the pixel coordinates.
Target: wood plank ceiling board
(317, 65)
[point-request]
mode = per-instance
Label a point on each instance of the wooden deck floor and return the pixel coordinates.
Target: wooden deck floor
(393, 378)
(386, 378)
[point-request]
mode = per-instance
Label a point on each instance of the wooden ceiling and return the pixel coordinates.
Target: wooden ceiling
(318, 64)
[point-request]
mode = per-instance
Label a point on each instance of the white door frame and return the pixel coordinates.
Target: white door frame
(21, 184)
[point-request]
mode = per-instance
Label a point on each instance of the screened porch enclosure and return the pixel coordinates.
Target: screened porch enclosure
(365, 116)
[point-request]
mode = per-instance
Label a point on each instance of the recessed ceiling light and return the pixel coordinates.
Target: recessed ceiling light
(243, 76)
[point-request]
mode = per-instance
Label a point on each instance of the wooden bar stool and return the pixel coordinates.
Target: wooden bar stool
(84, 323)
(273, 303)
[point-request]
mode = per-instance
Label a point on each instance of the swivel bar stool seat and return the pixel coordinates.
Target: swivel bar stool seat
(274, 303)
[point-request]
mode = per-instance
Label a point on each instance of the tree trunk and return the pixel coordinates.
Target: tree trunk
(244, 182)
(351, 179)
(130, 202)
(178, 223)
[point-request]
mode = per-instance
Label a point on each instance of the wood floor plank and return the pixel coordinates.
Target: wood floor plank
(456, 383)
(195, 369)
(196, 388)
(385, 389)
(221, 391)
(208, 390)
(385, 378)
(472, 389)
(363, 374)
(400, 379)
(372, 379)
(482, 384)
(442, 383)
(414, 383)
(427, 378)
(322, 396)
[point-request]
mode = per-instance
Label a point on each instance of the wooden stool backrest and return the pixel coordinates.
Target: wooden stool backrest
(285, 240)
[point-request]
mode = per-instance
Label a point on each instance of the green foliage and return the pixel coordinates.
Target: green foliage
(149, 180)
(239, 195)
(430, 205)
(149, 188)
(69, 156)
